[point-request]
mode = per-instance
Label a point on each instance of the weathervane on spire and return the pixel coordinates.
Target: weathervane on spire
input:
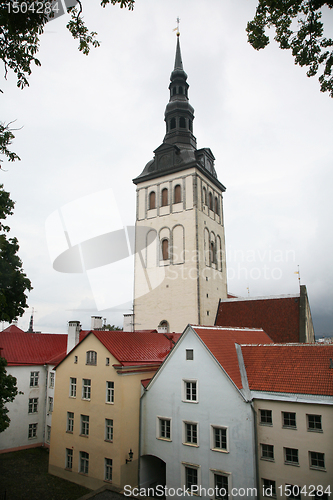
(177, 29)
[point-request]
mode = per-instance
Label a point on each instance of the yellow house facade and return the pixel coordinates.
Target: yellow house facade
(95, 431)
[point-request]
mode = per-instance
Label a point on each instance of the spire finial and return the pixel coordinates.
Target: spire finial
(177, 29)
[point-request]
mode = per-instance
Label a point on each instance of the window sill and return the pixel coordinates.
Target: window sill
(69, 432)
(265, 424)
(85, 399)
(84, 435)
(315, 430)
(267, 459)
(72, 397)
(189, 401)
(168, 440)
(220, 450)
(193, 445)
(292, 427)
(292, 464)
(68, 469)
(109, 402)
(322, 469)
(108, 440)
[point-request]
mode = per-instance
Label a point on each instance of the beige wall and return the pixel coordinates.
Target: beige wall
(299, 438)
(124, 412)
(176, 290)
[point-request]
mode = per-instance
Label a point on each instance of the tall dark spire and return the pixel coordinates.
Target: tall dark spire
(179, 114)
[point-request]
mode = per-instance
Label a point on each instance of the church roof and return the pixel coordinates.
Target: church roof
(21, 348)
(278, 316)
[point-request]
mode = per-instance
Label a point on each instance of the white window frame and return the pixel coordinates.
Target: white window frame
(84, 425)
(108, 470)
(310, 429)
(34, 379)
(290, 462)
(189, 465)
(159, 420)
(108, 430)
(109, 397)
(91, 358)
(72, 387)
(69, 459)
(269, 424)
(316, 467)
(32, 431)
(184, 391)
(50, 404)
(189, 443)
(212, 438)
(84, 463)
(262, 457)
(52, 379)
(48, 434)
(33, 405)
(86, 389)
(287, 426)
(219, 472)
(70, 422)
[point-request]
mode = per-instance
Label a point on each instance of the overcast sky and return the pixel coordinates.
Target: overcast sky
(90, 124)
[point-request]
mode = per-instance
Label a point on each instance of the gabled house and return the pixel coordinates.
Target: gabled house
(292, 391)
(31, 358)
(95, 434)
(285, 318)
(197, 418)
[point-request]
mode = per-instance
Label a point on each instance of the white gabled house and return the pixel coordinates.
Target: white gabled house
(197, 419)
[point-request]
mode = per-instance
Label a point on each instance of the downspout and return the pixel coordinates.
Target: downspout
(140, 423)
(256, 447)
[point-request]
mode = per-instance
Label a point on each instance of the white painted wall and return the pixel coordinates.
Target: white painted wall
(219, 403)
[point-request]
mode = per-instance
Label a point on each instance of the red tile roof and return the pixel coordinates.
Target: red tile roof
(22, 348)
(297, 369)
(278, 316)
(221, 343)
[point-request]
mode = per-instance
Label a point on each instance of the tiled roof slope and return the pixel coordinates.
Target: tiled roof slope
(22, 348)
(221, 343)
(138, 347)
(297, 369)
(277, 316)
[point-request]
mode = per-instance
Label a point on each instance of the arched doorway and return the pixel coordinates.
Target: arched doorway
(152, 475)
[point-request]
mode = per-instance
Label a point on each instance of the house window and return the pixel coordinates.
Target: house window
(50, 405)
(221, 486)
(216, 205)
(86, 388)
(267, 452)
(33, 405)
(72, 387)
(108, 469)
(191, 433)
(204, 195)
(190, 390)
(91, 358)
(189, 354)
(269, 488)
(165, 249)
(164, 428)
(266, 417)
(84, 462)
(32, 433)
(110, 392)
(48, 433)
(291, 456)
(289, 419)
(69, 458)
(51, 380)
(212, 253)
(75, 359)
(317, 460)
(177, 194)
(314, 423)
(108, 429)
(84, 425)
(70, 422)
(292, 492)
(164, 197)
(210, 201)
(34, 379)
(191, 477)
(152, 202)
(220, 438)
(107, 362)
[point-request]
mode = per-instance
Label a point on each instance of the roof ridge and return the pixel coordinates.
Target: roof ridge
(263, 297)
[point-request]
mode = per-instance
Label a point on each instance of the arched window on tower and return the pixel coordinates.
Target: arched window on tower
(212, 253)
(165, 249)
(180, 90)
(210, 201)
(174, 91)
(178, 194)
(152, 200)
(164, 197)
(182, 122)
(216, 205)
(204, 195)
(190, 125)
(173, 123)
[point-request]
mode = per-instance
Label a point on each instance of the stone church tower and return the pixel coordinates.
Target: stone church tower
(180, 267)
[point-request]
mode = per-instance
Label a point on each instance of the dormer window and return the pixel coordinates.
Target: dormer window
(152, 202)
(164, 197)
(91, 358)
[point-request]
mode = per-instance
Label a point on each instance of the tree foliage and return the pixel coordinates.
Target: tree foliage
(8, 391)
(13, 281)
(299, 27)
(6, 138)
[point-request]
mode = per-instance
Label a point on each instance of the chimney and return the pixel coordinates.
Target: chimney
(73, 334)
(96, 323)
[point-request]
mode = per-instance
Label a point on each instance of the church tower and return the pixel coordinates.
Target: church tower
(180, 267)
